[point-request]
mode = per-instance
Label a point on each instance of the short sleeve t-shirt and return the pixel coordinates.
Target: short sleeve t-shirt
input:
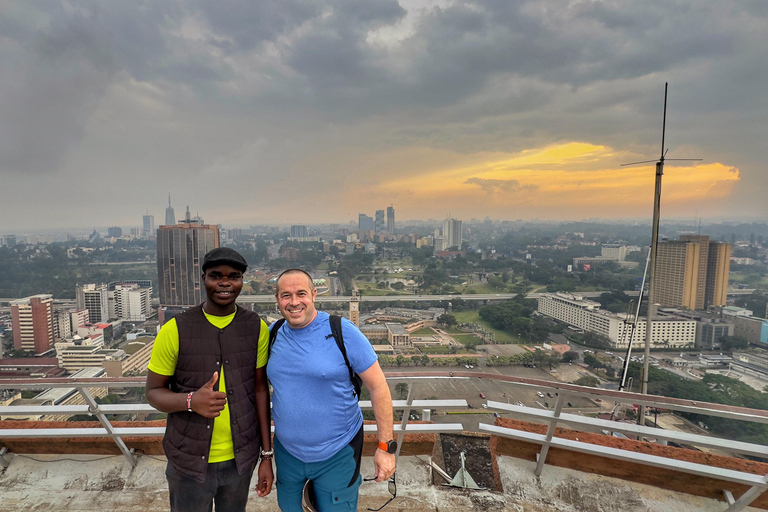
(165, 354)
(310, 380)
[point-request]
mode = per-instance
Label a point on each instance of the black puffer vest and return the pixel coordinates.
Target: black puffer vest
(204, 349)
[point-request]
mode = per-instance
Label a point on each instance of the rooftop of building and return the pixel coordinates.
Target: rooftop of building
(84, 467)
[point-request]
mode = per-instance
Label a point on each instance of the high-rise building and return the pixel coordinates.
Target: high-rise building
(148, 226)
(9, 240)
(132, 302)
(380, 225)
(390, 220)
(170, 216)
(298, 231)
(94, 298)
(718, 269)
(364, 222)
(114, 231)
(452, 234)
(180, 252)
(32, 319)
(686, 276)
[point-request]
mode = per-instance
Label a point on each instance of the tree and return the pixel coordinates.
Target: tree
(570, 356)
(730, 343)
(447, 319)
(588, 380)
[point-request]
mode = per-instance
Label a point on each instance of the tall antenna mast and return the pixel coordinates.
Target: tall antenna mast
(654, 246)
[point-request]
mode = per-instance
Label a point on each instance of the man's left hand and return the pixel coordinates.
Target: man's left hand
(266, 478)
(384, 463)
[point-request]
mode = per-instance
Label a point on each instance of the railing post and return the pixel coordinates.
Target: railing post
(93, 408)
(550, 434)
(747, 498)
(404, 421)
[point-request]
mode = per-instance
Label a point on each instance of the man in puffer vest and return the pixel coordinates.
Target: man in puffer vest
(207, 371)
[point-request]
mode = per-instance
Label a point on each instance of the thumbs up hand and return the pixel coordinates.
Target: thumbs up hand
(207, 402)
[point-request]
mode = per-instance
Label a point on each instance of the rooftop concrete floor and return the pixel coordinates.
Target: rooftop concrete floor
(80, 483)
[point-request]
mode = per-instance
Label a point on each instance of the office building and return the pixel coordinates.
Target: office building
(452, 234)
(298, 231)
(380, 225)
(32, 319)
(148, 226)
(94, 298)
(580, 313)
(170, 216)
(614, 251)
(364, 222)
(686, 275)
(9, 240)
(62, 324)
(132, 302)
(114, 232)
(180, 252)
(391, 220)
(78, 318)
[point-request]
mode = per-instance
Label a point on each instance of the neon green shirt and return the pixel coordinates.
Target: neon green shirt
(165, 355)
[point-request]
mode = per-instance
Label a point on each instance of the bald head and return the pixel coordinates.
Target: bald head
(291, 272)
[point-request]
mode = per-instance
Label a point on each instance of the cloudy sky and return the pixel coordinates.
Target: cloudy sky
(305, 111)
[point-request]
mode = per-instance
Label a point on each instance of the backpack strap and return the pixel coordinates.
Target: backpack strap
(273, 334)
(336, 333)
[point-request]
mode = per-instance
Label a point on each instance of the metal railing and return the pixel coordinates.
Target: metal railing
(551, 417)
(101, 412)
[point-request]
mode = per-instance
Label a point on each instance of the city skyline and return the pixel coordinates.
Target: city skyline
(279, 113)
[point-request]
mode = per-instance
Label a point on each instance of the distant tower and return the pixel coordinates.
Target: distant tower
(391, 220)
(170, 216)
(354, 310)
(148, 226)
(180, 252)
(452, 233)
(380, 226)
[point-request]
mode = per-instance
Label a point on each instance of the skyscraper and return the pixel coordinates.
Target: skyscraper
(380, 225)
(364, 222)
(94, 298)
(692, 272)
(390, 220)
(148, 226)
(452, 233)
(180, 252)
(170, 216)
(32, 319)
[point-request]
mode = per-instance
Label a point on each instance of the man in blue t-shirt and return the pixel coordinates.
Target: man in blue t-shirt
(318, 422)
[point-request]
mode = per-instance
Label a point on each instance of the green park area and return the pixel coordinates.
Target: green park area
(473, 317)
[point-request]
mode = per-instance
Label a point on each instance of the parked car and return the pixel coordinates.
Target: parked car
(540, 394)
(482, 395)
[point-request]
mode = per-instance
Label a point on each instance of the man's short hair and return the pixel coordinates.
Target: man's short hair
(224, 256)
(294, 271)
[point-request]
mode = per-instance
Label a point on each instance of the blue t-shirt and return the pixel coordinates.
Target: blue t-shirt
(314, 406)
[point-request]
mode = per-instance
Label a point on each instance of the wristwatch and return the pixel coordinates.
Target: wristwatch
(389, 447)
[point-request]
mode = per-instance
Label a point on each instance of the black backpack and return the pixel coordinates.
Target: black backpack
(335, 321)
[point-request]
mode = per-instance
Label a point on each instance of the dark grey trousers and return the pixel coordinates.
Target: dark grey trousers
(223, 486)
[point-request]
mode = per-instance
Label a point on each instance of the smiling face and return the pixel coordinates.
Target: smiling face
(296, 299)
(222, 286)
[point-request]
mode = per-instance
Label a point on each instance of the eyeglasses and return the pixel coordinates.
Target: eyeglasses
(391, 486)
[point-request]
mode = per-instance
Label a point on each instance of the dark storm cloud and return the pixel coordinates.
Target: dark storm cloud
(251, 88)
